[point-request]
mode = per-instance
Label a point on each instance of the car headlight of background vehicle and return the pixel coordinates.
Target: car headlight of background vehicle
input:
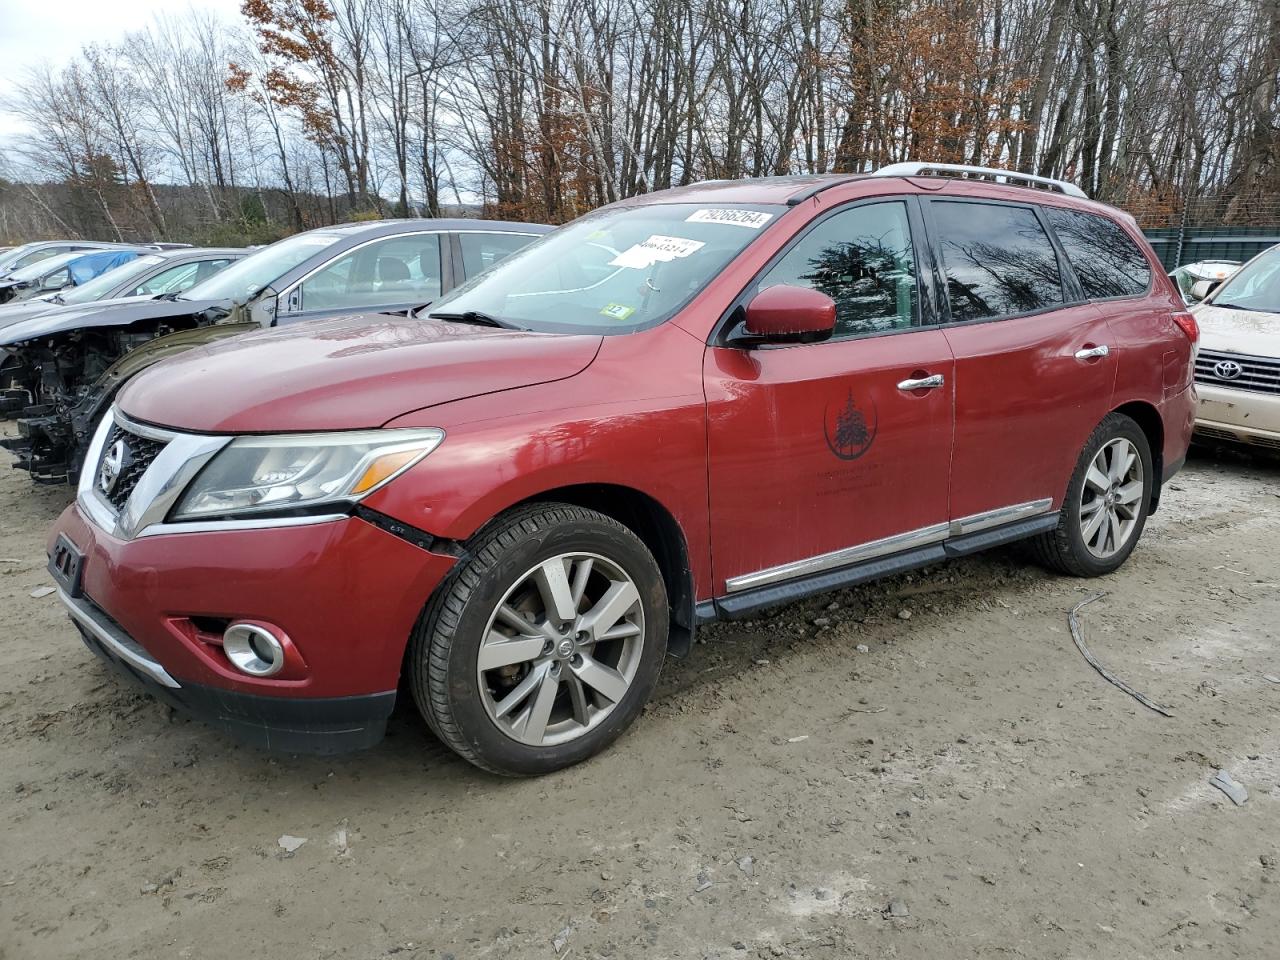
(301, 472)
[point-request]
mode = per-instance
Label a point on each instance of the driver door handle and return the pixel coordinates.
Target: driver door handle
(1089, 353)
(924, 383)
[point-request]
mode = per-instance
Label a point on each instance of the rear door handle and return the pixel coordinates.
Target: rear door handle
(1089, 353)
(924, 383)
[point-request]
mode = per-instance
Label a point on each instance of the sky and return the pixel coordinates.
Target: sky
(32, 31)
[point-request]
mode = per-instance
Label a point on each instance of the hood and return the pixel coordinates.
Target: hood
(103, 313)
(1252, 332)
(12, 313)
(345, 374)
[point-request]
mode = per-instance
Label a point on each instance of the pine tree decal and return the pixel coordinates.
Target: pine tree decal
(852, 436)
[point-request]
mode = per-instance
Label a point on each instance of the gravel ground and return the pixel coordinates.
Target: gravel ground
(924, 767)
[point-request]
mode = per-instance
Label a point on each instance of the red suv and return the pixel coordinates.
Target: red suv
(685, 406)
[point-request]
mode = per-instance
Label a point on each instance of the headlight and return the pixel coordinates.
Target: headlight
(301, 471)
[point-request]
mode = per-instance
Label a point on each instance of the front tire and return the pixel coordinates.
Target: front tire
(544, 644)
(1106, 505)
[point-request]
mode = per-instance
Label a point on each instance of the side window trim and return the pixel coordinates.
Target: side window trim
(926, 311)
(286, 295)
(943, 305)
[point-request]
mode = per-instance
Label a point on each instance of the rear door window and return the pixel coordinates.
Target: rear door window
(1106, 260)
(861, 258)
(997, 260)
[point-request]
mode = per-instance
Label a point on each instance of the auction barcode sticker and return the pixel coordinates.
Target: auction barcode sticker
(753, 219)
(657, 249)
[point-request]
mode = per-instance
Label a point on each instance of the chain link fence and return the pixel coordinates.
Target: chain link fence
(1208, 228)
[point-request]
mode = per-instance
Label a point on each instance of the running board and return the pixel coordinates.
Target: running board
(744, 603)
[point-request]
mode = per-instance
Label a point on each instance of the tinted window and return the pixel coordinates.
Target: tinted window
(480, 251)
(997, 259)
(1107, 262)
(396, 270)
(861, 259)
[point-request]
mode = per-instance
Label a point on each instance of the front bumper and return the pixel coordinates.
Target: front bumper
(346, 593)
(1240, 416)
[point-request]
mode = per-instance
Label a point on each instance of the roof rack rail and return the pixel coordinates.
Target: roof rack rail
(965, 172)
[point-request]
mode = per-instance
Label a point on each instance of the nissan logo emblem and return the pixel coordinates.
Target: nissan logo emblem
(1227, 369)
(112, 463)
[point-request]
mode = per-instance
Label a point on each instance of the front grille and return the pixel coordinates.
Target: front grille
(126, 455)
(1259, 374)
(1215, 433)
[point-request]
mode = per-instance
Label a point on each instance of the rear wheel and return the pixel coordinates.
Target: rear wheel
(1106, 504)
(545, 644)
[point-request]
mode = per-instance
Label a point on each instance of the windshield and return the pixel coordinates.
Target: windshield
(246, 277)
(10, 257)
(614, 271)
(47, 265)
(1255, 287)
(101, 285)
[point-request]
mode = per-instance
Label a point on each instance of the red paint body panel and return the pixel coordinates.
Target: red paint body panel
(782, 488)
(635, 418)
(344, 593)
(742, 448)
(1025, 405)
(344, 374)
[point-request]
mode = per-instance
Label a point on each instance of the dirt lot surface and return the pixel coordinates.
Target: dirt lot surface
(934, 742)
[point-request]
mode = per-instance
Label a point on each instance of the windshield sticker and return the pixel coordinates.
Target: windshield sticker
(319, 240)
(751, 219)
(657, 249)
(617, 311)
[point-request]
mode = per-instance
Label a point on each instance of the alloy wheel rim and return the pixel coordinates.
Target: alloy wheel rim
(561, 649)
(1111, 498)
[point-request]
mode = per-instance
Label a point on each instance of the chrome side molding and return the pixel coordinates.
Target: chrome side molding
(999, 516)
(922, 537)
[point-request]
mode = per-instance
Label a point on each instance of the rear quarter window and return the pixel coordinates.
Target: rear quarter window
(1106, 260)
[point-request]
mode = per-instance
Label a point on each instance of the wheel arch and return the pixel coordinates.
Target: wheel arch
(1147, 417)
(660, 532)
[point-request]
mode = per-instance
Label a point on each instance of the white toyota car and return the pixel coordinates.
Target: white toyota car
(1238, 366)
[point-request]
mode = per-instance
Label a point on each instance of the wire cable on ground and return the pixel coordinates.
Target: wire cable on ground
(1073, 620)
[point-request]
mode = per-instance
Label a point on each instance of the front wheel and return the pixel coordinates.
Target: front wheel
(545, 643)
(1106, 503)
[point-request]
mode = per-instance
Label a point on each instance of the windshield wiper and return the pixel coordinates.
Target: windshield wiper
(57, 298)
(477, 318)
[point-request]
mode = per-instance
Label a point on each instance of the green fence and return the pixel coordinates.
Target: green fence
(1178, 246)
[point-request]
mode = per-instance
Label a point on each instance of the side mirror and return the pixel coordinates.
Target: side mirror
(787, 314)
(1202, 288)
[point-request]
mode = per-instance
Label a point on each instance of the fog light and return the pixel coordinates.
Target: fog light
(253, 649)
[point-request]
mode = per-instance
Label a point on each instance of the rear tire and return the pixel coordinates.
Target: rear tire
(1106, 504)
(544, 643)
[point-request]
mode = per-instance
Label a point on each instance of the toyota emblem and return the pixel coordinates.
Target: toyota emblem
(1227, 370)
(109, 471)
